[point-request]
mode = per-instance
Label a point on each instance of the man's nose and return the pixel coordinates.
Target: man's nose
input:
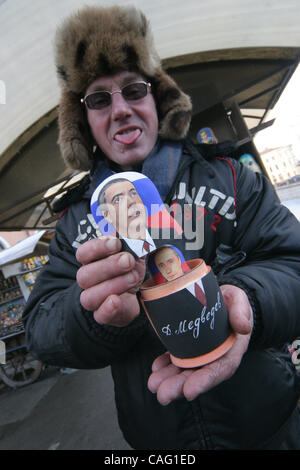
(119, 107)
(130, 200)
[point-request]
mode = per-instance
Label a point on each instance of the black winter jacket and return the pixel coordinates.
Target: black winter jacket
(251, 241)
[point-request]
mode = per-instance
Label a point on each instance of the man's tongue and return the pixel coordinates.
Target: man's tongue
(128, 137)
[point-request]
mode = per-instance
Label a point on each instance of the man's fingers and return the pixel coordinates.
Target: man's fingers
(157, 378)
(167, 380)
(94, 296)
(117, 310)
(108, 310)
(213, 374)
(168, 383)
(206, 378)
(239, 309)
(161, 361)
(109, 279)
(172, 388)
(97, 249)
(100, 271)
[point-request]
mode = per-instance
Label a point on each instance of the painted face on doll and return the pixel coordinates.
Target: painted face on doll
(168, 263)
(128, 205)
(124, 209)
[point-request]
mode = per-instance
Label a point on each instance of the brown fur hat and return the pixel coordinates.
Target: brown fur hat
(100, 41)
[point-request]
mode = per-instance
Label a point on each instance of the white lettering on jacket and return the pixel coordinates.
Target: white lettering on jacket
(214, 199)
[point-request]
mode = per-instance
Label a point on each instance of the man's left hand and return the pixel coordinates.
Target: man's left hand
(170, 382)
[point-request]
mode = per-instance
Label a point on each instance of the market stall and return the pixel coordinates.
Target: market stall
(19, 268)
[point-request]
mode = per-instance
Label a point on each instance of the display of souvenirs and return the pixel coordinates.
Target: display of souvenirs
(12, 297)
(10, 294)
(30, 278)
(248, 160)
(8, 283)
(11, 314)
(34, 262)
(206, 136)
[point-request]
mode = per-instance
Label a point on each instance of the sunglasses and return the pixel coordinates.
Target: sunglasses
(102, 99)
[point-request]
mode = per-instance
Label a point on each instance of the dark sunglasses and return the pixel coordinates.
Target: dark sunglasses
(102, 99)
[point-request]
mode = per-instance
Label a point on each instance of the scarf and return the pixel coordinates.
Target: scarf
(160, 166)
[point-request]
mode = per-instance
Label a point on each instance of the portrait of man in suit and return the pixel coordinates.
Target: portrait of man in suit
(128, 206)
(124, 209)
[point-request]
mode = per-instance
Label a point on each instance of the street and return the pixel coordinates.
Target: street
(61, 412)
(290, 197)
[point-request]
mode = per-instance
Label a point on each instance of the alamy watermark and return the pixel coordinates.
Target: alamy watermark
(174, 222)
(2, 352)
(2, 92)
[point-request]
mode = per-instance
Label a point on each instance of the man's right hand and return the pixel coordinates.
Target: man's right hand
(109, 279)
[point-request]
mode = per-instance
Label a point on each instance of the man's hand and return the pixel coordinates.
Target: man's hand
(110, 279)
(170, 382)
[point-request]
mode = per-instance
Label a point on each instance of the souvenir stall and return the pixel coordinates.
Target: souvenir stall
(19, 268)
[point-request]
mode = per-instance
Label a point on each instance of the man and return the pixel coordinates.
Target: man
(84, 312)
(124, 209)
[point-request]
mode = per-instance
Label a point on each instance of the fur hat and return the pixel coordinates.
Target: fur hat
(99, 41)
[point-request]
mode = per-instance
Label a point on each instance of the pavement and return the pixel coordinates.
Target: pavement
(290, 197)
(73, 411)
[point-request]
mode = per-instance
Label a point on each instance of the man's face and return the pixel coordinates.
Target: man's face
(125, 210)
(125, 131)
(168, 263)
